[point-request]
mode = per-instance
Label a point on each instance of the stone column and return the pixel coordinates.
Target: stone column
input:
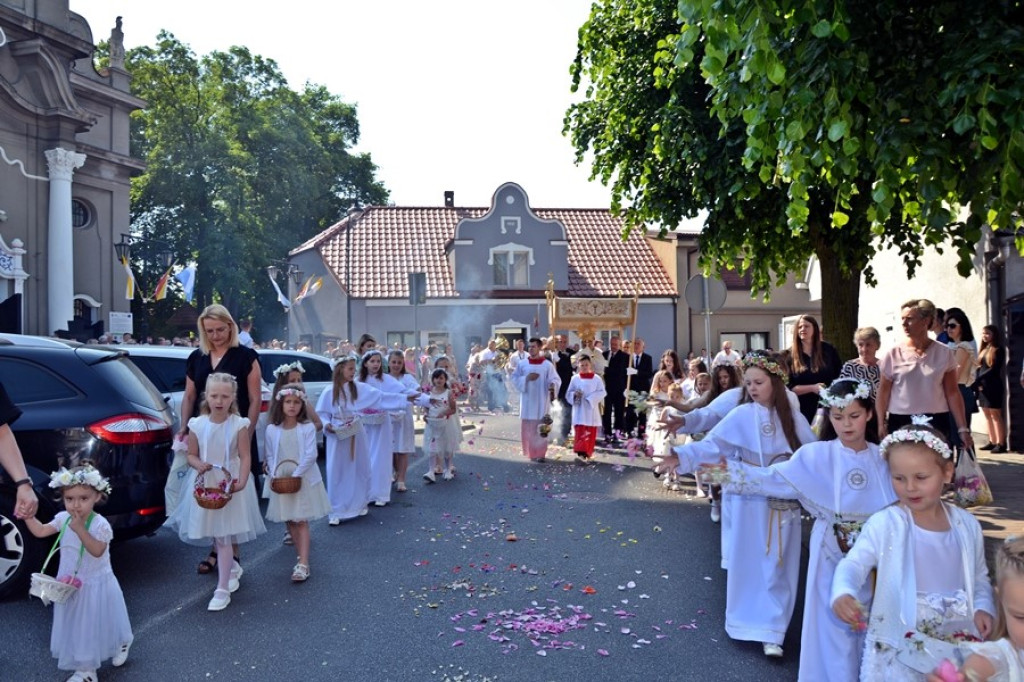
(60, 271)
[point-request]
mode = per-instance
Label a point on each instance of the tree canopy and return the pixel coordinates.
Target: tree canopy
(805, 127)
(240, 167)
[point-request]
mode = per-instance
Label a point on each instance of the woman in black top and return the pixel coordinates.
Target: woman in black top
(813, 364)
(219, 351)
(990, 386)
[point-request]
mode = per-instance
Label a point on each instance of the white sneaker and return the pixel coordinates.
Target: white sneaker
(716, 516)
(121, 656)
(429, 477)
(84, 676)
(364, 511)
(379, 503)
(448, 475)
(334, 521)
(236, 576)
(772, 650)
(220, 601)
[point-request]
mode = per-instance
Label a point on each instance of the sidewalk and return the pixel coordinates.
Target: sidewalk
(1005, 516)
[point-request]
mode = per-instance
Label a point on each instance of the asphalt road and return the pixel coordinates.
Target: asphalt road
(513, 571)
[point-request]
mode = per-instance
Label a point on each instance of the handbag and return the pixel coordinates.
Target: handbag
(970, 487)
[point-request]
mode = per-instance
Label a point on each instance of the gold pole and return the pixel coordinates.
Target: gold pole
(636, 306)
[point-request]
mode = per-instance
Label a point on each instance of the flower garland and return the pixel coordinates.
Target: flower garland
(911, 435)
(765, 363)
(284, 369)
(827, 398)
(348, 357)
(85, 475)
(291, 391)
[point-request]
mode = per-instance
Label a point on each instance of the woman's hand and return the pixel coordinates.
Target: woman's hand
(26, 503)
(238, 485)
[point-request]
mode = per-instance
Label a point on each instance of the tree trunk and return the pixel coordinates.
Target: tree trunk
(840, 302)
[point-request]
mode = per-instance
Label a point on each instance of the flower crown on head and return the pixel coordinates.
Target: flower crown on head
(911, 435)
(291, 391)
(342, 359)
(765, 363)
(86, 475)
(829, 399)
(372, 351)
(284, 369)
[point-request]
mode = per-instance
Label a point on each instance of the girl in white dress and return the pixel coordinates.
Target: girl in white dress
(377, 426)
(761, 541)
(457, 389)
(214, 443)
(290, 450)
(841, 481)
(403, 430)
(342, 408)
(284, 375)
(438, 438)
(931, 590)
(92, 625)
(1001, 660)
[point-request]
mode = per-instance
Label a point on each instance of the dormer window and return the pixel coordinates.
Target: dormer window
(511, 265)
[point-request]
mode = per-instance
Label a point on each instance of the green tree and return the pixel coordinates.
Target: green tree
(240, 167)
(826, 128)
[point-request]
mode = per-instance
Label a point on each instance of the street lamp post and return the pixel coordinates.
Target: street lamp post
(164, 256)
(354, 213)
(290, 271)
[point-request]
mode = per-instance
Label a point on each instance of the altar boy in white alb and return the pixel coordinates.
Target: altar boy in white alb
(536, 380)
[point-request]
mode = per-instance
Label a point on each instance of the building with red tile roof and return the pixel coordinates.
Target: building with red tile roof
(486, 272)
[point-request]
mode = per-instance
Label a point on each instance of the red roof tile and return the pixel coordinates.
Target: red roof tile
(390, 241)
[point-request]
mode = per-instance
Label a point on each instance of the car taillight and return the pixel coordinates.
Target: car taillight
(130, 429)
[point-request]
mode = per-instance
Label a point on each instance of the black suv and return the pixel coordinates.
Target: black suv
(81, 403)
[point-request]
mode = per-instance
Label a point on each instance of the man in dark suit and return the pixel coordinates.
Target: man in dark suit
(643, 365)
(613, 419)
(562, 357)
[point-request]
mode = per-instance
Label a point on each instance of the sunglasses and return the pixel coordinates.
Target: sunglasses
(951, 325)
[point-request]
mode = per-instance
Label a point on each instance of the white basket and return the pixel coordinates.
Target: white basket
(373, 418)
(50, 590)
(348, 429)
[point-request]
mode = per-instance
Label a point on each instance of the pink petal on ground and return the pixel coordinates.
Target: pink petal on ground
(457, 642)
(603, 652)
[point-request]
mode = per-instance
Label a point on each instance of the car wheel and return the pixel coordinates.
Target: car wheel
(20, 552)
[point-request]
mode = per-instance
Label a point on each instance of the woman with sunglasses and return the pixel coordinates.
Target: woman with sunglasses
(961, 340)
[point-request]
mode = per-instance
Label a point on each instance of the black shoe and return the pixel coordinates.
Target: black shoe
(990, 446)
(999, 449)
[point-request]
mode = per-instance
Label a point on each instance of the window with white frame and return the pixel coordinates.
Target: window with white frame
(401, 340)
(511, 265)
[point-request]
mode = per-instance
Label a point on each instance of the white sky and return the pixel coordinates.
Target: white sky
(459, 95)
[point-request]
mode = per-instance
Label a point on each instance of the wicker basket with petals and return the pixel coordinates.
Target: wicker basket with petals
(213, 497)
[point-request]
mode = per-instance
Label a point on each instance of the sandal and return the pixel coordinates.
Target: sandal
(288, 538)
(207, 565)
(300, 573)
(400, 487)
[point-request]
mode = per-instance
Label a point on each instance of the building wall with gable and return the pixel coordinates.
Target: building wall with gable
(510, 225)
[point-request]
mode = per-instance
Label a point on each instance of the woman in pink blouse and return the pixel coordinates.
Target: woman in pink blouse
(919, 376)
